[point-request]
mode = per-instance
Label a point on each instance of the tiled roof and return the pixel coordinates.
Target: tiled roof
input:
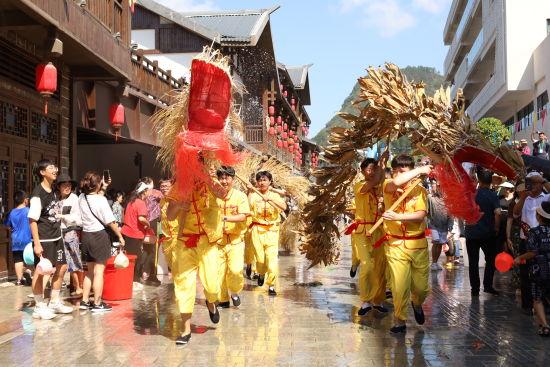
(298, 75)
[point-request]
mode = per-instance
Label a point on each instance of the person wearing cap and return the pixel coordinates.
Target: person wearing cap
(525, 209)
(235, 211)
(200, 230)
(483, 235)
(537, 255)
(71, 226)
(524, 147)
(135, 229)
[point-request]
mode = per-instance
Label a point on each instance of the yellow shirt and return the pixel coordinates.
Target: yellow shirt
(236, 202)
(366, 205)
(203, 216)
(169, 227)
(414, 202)
(262, 212)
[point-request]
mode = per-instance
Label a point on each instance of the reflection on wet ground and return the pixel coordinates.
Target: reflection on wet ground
(312, 322)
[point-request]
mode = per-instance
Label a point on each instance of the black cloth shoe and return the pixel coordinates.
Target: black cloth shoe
(418, 314)
(248, 271)
(475, 293)
(214, 317)
(102, 307)
(224, 304)
(260, 280)
(352, 272)
(381, 309)
(398, 329)
(388, 294)
(492, 291)
(236, 301)
(364, 310)
(271, 291)
(255, 276)
(183, 339)
(153, 282)
(85, 305)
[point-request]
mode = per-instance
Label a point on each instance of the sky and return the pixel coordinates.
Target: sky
(341, 38)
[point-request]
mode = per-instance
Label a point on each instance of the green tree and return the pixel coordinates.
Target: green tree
(494, 130)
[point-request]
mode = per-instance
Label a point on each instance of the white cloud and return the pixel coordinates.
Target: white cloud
(189, 5)
(387, 17)
(432, 6)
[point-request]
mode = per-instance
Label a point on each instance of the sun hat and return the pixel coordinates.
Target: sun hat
(28, 254)
(506, 185)
(65, 178)
(523, 141)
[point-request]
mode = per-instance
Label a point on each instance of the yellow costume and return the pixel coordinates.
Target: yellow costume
(231, 246)
(372, 280)
(265, 235)
(354, 257)
(196, 250)
(169, 230)
(407, 251)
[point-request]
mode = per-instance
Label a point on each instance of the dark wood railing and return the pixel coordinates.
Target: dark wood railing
(148, 78)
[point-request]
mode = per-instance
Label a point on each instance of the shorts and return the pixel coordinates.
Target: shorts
(95, 246)
(53, 251)
(17, 256)
(539, 290)
(439, 237)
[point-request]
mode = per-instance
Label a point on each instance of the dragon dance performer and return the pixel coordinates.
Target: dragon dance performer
(235, 210)
(406, 244)
(196, 250)
(372, 279)
(266, 208)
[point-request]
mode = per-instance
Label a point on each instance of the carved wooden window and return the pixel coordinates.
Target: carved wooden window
(44, 129)
(4, 177)
(13, 120)
(21, 174)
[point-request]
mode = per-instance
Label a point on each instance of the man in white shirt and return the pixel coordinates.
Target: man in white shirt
(529, 201)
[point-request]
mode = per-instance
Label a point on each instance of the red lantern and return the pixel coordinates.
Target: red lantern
(285, 93)
(284, 135)
(285, 144)
(291, 148)
(271, 121)
(46, 82)
(292, 102)
(291, 133)
(271, 110)
(279, 128)
(285, 126)
(116, 117)
(279, 143)
(271, 131)
(279, 120)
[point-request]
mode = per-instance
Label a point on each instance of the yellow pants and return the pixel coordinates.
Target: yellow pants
(168, 247)
(249, 249)
(266, 251)
(186, 262)
(230, 269)
(354, 256)
(409, 270)
(372, 273)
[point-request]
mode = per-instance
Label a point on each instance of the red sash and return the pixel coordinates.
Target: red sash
(353, 226)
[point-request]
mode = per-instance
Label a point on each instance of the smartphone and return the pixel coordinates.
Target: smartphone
(106, 175)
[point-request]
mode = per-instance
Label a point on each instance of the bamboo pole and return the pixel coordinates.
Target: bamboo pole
(247, 184)
(397, 202)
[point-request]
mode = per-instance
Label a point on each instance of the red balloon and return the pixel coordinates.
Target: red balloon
(504, 262)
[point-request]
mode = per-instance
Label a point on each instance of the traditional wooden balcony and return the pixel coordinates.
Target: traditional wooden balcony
(151, 80)
(92, 29)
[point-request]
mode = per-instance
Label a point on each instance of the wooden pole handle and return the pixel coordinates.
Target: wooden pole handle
(257, 192)
(395, 204)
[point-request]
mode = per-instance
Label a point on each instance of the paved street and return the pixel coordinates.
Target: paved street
(311, 322)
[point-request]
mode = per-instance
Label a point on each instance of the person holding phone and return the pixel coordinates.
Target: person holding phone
(96, 244)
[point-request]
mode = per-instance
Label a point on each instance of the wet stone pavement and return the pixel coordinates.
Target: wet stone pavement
(312, 322)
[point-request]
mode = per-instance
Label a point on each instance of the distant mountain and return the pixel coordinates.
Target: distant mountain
(428, 75)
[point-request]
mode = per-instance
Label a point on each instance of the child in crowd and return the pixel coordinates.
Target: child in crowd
(20, 234)
(538, 257)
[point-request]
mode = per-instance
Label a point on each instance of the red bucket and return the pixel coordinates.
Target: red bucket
(117, 285)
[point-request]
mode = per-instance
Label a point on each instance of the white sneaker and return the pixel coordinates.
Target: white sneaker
(137, 287)
(43, 312)
(58, 307)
